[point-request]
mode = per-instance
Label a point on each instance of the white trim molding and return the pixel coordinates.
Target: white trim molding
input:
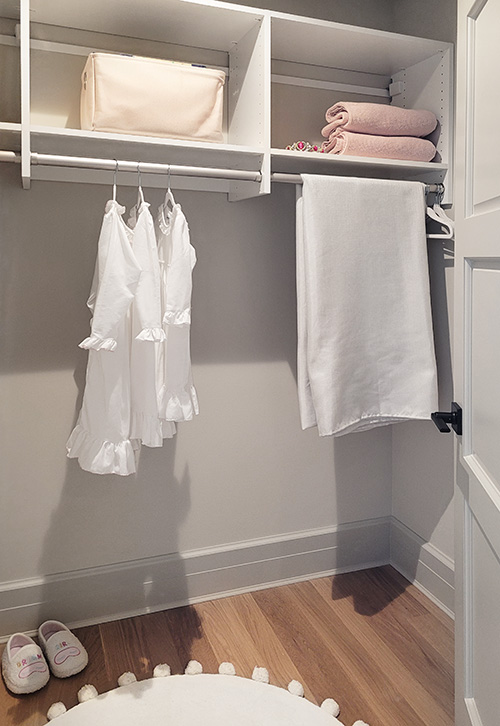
(99, 594)
(423, 564)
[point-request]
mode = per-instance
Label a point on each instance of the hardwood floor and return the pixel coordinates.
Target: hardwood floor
(368, 639)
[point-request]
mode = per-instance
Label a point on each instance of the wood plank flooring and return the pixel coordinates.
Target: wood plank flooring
(368, 639)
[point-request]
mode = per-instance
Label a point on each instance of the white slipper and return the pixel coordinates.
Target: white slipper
(24, 668)
(64, 652)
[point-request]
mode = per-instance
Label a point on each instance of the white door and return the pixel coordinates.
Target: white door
(477, 364)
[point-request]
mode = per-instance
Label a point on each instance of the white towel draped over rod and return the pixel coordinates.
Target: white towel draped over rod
(82, 162)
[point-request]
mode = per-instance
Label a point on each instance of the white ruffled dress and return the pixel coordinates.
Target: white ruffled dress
(146, 425)
(177, 399)
(101, 438)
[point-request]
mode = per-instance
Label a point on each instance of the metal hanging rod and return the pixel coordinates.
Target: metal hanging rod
(297, 179)
(83, 162)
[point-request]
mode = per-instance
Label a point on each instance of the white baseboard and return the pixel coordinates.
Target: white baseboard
(99, 594)
(423, 564)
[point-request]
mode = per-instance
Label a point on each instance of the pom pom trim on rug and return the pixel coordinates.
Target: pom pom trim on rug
(260, 675)
(333, 708)
(193, 668)
(227, 669)
(86, 693)
(57, 709)
(161, 670)
(296, 688)
(126, 678)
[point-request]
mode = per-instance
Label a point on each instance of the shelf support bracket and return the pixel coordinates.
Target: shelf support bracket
(396, 88)
(24, 47)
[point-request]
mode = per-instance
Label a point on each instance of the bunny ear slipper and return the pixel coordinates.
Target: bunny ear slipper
(64, 652)
(24, 669)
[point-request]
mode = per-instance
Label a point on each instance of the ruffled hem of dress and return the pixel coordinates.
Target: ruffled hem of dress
(96, 343)
(147, 429)
(182, 317)
(101, 457)
(154, 335)
(178, 405)
(168, 429)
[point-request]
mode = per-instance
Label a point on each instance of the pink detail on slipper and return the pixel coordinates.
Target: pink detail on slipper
(63, 655)
(31, 668)
(64, 652)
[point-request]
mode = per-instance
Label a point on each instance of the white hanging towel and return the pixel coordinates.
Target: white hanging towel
(177, 395)
(101, 438)
(365, 340)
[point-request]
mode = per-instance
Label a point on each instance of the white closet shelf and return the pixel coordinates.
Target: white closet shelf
(284, 71)
(323, 43)
(76, 142)
(204, 25)
(310, 162)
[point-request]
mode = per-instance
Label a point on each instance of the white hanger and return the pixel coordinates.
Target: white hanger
(169, 199)
(437, 214)
(114, 180)
(140, 193)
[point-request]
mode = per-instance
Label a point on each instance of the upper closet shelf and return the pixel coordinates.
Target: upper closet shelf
(282, 73)
(305, 162)
(77, 142)
(317, 42)
(204, 25)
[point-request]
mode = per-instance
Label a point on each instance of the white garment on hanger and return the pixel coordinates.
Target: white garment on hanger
(101, 438)
(139, 380)
(145, 425)
(366, 348)
(177, 394)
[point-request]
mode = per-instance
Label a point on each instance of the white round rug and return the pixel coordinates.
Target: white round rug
(187, 700)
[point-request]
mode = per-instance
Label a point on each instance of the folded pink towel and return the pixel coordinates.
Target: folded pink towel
(407, 148)
(376, 118)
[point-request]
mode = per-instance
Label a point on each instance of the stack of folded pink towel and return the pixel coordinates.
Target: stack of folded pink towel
(380, 131)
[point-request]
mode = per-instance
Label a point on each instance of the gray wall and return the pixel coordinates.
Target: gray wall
(242, 470)
(422, 488)
(426, 18)
(377, 14)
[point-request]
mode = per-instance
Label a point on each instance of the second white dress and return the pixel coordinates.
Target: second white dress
(177, 400)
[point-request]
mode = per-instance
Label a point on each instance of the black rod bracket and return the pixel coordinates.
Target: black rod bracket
(453, 418)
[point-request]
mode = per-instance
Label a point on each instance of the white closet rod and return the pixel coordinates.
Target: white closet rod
(82, 162)
(297, 179)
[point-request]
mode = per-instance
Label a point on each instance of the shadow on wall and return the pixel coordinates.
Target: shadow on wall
(419, 463)
(243, 311)
(423, 458)
(83, 527)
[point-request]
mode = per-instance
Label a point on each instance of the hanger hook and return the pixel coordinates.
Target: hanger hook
(168, 178)
(139, 173)
(114, 179)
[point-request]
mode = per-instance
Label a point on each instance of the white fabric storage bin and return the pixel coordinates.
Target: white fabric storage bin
(146, 96)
